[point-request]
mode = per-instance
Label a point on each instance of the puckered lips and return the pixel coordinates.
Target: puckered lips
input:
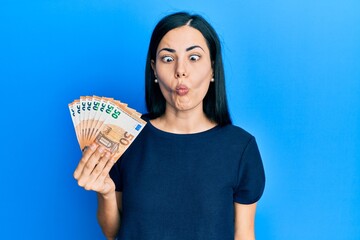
(181, 90)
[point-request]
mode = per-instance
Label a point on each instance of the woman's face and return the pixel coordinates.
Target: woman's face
(183, 68)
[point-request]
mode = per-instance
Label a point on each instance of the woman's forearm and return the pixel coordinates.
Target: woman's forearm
(108, 215)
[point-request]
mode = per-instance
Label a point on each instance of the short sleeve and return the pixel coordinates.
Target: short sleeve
(115, 175)
(251, 175)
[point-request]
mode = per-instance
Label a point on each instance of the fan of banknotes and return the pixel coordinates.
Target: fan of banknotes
(107, 122)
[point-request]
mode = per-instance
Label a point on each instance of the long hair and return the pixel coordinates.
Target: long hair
(215, 103)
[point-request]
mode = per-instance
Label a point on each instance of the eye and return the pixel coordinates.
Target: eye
(167, 59)
(194, 58)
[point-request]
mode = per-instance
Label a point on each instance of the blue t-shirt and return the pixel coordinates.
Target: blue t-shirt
(183, 186)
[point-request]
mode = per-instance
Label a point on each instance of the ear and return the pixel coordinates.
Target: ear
(153, 67)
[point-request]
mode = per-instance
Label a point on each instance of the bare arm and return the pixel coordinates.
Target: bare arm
(108, 214)
(244, 221)
(92, 173)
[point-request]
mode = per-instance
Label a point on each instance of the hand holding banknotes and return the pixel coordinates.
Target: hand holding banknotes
(104, 128)
(92, 172)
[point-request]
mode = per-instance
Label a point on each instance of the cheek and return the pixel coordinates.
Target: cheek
(164, 83)
(165, 88)
(203, 78)
(204, 87)
(203, 69)
(165, 75)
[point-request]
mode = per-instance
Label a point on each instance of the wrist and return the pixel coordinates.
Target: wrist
(106, 196)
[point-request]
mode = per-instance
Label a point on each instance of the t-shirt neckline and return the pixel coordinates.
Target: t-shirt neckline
(204, 133)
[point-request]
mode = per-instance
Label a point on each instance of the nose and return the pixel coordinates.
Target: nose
(180, 70)
(180, 74)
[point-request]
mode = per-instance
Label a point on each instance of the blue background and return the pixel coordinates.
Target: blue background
(293, 81)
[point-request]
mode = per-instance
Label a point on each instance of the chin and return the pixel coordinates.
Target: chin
(182, 108)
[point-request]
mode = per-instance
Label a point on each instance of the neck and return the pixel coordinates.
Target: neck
(183, 122)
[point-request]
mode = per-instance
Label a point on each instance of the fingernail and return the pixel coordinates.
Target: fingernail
(93, 146)
(101, 149)
(107, 154)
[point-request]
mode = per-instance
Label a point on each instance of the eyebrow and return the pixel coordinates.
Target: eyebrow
(195, 46)
(187, 49)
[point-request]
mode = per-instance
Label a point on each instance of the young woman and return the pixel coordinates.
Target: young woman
(190, 174)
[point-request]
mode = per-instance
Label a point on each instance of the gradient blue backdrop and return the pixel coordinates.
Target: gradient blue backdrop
(293, 80)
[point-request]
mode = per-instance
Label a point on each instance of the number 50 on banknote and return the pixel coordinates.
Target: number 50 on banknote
(107, 122)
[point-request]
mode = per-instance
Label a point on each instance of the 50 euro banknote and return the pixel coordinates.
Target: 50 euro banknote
(106, 121)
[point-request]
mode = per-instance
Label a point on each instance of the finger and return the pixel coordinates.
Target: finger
(104, 182)
(106, 186)
(97, 171)
(90, 165)
(84, 159)
(105, 172)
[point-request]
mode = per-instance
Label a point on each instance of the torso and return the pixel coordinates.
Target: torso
(180, 186)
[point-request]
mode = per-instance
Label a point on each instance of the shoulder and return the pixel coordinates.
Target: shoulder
(233, 131)
(147, 117)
